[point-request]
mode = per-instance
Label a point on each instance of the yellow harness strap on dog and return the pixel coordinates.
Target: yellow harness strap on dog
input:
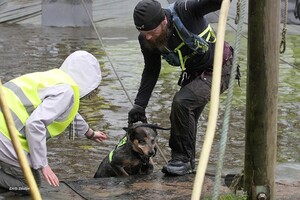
(121, 143)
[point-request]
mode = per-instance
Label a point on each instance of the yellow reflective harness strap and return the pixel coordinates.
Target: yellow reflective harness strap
(210, 35)
(121, 143)
(182, 62)
(204, 32)
(177, 50)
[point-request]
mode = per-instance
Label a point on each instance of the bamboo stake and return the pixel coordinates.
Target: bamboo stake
(35, 193)
(214, 104)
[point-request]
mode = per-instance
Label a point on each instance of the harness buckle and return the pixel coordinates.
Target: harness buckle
(183, 77)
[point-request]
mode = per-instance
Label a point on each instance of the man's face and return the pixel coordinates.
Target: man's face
(157, 37)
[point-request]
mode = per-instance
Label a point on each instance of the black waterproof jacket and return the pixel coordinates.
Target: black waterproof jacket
(192, 15)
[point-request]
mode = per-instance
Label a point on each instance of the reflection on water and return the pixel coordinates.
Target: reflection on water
(28, 48)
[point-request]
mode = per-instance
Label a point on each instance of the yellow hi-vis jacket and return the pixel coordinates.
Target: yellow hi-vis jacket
(23, 98)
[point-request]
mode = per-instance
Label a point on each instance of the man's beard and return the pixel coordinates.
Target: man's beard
(161, 41)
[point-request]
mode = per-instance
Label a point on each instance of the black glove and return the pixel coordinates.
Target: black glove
(137, 113)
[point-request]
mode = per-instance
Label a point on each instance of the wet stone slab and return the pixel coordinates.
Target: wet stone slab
(155, 186)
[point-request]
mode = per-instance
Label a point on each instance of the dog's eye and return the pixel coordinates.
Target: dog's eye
(142, 142)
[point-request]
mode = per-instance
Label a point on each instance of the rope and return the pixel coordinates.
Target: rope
(297, 10)
(112, 65)
(281, 59)
(284, 29)
(225, 128)
(238, 12)
(102, 44)
(214, 104)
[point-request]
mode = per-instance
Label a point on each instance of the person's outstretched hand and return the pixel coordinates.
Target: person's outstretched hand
(49, 176)
(99, 136)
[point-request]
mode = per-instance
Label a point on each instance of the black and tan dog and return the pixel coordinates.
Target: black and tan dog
(133, 155)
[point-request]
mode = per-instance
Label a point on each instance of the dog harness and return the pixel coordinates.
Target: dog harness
(23, 98)
(121, 143)
(124, 139)
(199, 44)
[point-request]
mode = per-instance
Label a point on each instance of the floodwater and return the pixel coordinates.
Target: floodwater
(30, 48)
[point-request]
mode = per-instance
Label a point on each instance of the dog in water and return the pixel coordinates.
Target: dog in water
(133, 155)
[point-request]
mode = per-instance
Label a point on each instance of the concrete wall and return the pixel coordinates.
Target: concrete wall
(62, 13)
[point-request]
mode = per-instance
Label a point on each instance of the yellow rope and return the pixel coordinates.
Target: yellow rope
(214, 104)
(35, 193)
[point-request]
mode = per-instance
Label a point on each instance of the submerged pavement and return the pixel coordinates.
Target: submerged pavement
(154, 186)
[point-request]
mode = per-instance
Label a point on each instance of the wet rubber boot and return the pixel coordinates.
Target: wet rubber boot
(177, 168)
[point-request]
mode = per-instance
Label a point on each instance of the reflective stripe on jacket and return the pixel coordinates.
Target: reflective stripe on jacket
(22, 96)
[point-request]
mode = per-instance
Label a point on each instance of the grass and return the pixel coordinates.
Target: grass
(242, 196)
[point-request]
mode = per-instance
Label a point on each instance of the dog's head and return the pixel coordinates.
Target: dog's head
(143, 138)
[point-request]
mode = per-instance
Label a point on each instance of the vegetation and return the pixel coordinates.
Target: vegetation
(242, 196)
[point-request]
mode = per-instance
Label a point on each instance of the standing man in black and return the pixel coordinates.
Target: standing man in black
(181, 35)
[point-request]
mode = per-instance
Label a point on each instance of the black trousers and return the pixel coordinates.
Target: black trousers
(12, 179)
(187, 106)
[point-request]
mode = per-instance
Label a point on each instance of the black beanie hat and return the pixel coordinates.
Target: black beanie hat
(147, 15)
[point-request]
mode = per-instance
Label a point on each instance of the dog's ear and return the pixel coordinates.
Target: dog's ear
(131, 134)
(130, 126)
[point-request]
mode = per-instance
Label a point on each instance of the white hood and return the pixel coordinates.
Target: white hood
(85, 70)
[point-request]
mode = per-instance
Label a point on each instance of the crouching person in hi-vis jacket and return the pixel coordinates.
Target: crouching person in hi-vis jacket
(43, 105)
